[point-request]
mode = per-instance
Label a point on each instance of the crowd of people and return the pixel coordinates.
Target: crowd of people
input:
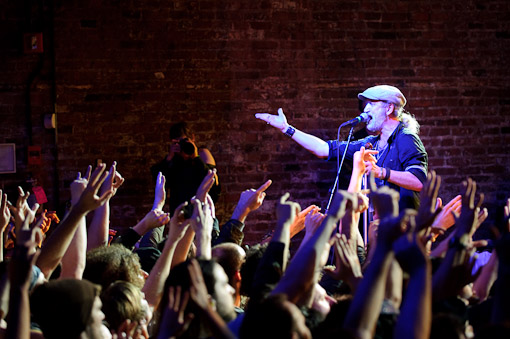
(179, 274)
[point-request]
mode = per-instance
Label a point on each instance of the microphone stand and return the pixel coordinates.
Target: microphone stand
(334, 188)
(335, 185)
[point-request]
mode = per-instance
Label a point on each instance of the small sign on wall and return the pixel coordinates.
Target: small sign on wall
(34, 155)
(7, 158)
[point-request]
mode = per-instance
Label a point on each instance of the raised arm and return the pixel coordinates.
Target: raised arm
(249, 201)
(57, 244)
(501, 311)
(154, 284)
(5, 217)
(416, 312)
(202, 223)
(301, 274)
(181, 252)
(73, 261)
(309, 142)
(99, 226)
(366, 305)
(455, 270)
(20, 273)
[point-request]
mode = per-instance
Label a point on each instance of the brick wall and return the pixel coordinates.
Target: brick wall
(124, 72)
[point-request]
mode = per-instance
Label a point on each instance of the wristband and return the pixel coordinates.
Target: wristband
(290, 131)
(388, 172)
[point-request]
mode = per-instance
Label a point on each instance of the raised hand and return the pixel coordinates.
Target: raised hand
(178, 224)
(175, 322)
(159, 192)
(361, 158)
(384, 199)
(5, 214)
(347, 265)
(113, 181)
(89, 200)
(206, 185)
(79, 184)
(202, 223)
(21, 209)
(428, 210)
(467, 221)
(286, 210)
(250, 201)
(312, 222)
(445, 218)
(278, 121)
(300, 221)
(153, 219)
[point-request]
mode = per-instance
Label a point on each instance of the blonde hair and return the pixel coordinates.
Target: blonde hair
(410, 122)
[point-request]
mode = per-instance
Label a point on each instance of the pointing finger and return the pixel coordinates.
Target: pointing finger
(264, 186)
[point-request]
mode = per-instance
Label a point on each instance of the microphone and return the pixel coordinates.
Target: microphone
(363, 117)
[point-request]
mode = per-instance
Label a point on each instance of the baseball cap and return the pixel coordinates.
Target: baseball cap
(384, 93)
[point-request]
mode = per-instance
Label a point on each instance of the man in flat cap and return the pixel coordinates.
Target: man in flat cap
(401, 162)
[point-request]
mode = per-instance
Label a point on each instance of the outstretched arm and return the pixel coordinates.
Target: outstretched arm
(20, 269)
(309, 142)
(73, 261)
(365, 307)
(154, 284)
(416, 312)
(57, 244)
(455, 270)
(301, 274)
(99, 226)
(5, 217)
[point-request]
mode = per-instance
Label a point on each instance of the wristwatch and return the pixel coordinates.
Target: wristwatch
(290, 131)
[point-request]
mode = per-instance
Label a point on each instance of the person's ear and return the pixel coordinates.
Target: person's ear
(390, 109)
(237, 276)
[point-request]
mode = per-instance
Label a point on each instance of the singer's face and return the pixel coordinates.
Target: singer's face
(377, 112)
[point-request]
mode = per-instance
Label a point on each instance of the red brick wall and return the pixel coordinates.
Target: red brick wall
(124, 72)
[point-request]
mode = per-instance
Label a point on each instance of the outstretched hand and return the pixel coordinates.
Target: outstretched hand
(21, 209)
(79, 184)
(347, 265)
(89, 200)
(428, 210)
(287, 210)
(468, 219)
(178, 224)
(312, 222)
(206, 185)
(277, 121)
(159, 192)
(25, 253)
(113, 181)
(252, 199)
(5, 214)
(445, 219)
(361, 158)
